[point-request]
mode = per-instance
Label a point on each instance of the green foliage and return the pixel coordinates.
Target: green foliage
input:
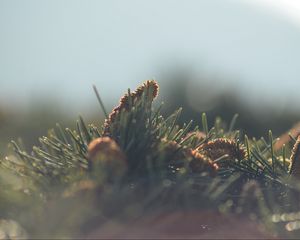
(237, 175)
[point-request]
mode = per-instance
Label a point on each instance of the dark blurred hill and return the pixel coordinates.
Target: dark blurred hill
(254, 121)
(31, 125)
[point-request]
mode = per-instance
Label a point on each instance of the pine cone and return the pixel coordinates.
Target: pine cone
(105, 152)
(220, 147)
(179, 155)
(150, 88)
(295, 159)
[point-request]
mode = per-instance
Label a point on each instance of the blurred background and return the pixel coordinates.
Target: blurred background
(220, 57)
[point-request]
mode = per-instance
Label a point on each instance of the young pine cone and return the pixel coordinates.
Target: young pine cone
(295, 160)
(149, 88)
(180, 157)
(201, 163)
(105, 153)
(222, 147)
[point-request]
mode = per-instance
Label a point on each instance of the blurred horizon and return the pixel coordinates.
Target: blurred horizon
(219, 57)
(53, 51)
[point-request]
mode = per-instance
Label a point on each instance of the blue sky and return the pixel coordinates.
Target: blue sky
(58, 49)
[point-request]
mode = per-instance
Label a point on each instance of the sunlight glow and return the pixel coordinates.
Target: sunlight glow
(289, 9)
